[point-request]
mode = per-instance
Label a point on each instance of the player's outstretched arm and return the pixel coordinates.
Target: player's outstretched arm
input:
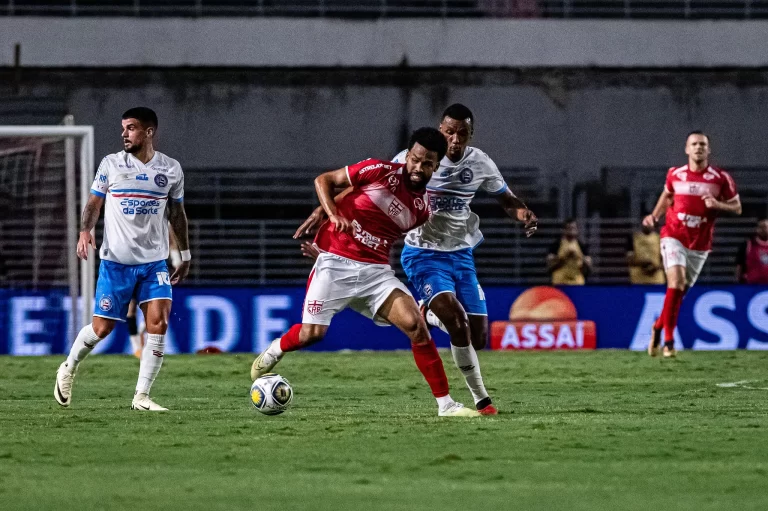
(88, 222)
(318, 217)
(515, 208)
(662, 205)
(324, 185)
(177, 217)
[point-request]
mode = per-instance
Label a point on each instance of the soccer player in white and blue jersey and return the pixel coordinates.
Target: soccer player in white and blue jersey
(140, 187)
(437, 256)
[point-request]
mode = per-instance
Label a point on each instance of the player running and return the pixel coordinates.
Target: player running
(386, 201)
(135, 184)
(693, 196)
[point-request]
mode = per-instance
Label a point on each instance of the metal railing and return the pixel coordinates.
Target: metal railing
(637, 9)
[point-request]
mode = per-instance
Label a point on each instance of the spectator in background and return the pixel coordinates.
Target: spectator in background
(568, 259)
(752, 257)
(644, 257)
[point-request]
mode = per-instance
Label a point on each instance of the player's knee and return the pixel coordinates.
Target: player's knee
(157, 325)
(415, 328)
(103, 328)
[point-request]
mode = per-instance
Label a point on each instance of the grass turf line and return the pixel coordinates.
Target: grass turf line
(591, 431)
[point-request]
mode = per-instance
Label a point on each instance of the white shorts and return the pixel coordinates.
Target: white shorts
(337, 282)
(673, 253)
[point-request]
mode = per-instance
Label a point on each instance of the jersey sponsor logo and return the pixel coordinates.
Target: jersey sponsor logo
(395, 208)
(142, 177)
(140, 207)
(418, 203)
(445, 203)
(105, 303)
(373, 167)
(314, 307)
(691, 221)
(445, 173)
(126, 166)
(160, 169)
(366, 238)
(709, 177)
(102, 178)
(161, 181)
(466, 176)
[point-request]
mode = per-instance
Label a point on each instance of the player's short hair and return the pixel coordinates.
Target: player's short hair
(144, 115)
(431, 140)
(697, 132)
(568, 221)
(460, 113)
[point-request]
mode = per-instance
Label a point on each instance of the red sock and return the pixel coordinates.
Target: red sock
(672, 303)
(431, 366)
(290, 341)
(659, 324)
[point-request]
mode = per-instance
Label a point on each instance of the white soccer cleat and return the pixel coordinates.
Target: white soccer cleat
(264, 362)
(143, 403)
(63, 389)
(457, 410)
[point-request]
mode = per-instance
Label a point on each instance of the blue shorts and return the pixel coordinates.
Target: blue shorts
(433, 272)
(119, 283)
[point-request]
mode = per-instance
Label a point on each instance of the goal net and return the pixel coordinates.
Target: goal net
(45, 174)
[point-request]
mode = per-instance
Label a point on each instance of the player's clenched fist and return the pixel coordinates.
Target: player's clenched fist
(86, 238)
(531, 221)
(340, 223)
(649, 221)
(710, 202)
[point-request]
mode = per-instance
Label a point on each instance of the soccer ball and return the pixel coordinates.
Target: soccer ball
(271, 394)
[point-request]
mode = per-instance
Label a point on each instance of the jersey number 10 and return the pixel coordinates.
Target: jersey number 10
(163, 278)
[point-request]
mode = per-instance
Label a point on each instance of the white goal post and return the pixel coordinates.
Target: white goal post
(84, 270)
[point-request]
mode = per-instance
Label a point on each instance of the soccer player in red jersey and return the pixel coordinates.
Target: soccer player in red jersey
(693, 197)
(386, 201)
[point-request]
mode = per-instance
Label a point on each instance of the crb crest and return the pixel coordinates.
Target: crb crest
(314, 307)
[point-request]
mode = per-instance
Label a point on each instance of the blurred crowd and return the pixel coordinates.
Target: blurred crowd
(569, 262)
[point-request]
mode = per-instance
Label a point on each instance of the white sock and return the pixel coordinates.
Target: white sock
(433, 320)
(151, 361)
(466, 360)
(84, 343)
(444, 402)
(135, 342)
(275, 350)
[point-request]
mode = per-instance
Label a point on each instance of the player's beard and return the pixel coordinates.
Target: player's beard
(131, 148)
(416, 187)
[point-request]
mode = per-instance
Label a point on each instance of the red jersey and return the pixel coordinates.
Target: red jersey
(688, 219)
(381, 208)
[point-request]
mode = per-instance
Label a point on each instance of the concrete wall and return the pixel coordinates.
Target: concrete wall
(576, 121)
(267, 42)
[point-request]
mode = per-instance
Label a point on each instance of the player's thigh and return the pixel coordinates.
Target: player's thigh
(696, 260)
(675, 258)
(429, 273)
(114, 290)
(154, 295)
(400, 309)
(330, 288)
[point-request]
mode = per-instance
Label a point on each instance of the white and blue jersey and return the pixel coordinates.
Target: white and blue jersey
(437, 256)
(135, 244)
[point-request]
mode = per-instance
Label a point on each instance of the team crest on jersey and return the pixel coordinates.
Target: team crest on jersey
(466, 176)
(314, 307)
(427, 290)
(105, 303)
(395, 208)
(393, 181)
(161, 181)
(418, 203)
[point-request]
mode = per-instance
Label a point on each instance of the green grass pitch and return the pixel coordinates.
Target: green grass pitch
(578, 431)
